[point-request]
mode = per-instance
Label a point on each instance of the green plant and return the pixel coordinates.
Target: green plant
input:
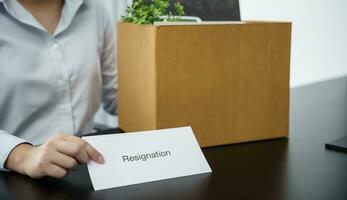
(141, 12)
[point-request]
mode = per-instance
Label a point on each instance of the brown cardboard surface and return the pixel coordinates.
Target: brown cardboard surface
(230, 82)
(136, 80)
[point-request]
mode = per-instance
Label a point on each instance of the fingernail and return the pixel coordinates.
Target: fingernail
(101, 159)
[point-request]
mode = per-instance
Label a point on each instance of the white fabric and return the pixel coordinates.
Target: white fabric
(54, 83)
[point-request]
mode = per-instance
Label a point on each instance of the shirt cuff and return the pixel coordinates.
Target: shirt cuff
(7, 143)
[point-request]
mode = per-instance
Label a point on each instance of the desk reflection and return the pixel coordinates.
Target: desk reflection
(74, 186)
(78, 186)
(255, 170)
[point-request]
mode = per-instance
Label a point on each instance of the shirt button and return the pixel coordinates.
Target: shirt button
(55, 46)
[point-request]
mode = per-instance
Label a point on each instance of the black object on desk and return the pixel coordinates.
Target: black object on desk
(211, 10)
(339, 144)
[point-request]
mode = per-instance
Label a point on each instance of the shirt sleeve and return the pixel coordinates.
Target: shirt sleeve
(7, 143)
(108, 64)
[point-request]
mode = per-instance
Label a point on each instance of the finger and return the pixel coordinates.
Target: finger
(64, 161)
(91, 151)
(94, 154)
(73, 149)
(56, 171)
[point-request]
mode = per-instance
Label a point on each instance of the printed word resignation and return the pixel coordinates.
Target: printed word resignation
(145, 157)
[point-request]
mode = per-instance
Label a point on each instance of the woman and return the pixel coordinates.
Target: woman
(57, 63)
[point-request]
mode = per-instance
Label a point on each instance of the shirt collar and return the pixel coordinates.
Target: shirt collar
(69, 11)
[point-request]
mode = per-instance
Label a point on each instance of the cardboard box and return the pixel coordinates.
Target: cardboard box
(229, 81)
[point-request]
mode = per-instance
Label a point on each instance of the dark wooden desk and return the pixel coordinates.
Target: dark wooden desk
(295, 168)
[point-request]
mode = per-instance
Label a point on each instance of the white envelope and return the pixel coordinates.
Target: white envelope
(133, 158)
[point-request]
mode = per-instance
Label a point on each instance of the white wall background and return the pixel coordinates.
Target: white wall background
(319, 40)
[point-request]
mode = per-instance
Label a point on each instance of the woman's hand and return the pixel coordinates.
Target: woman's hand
(55, 157)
